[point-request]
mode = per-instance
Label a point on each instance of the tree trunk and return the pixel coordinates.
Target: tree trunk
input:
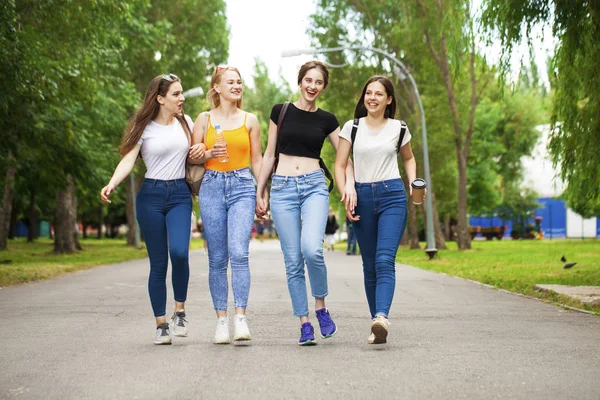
(33, 220)
(100, 220)
(447, 227)
(65, 235)
(7, 201)
(440, 242)
(12, 228)
(463, 238)
(84, 230)
(413, 226)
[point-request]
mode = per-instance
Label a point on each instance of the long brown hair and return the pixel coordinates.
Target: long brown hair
(212, 96)
(159, 86)
(319, 66)
(390, 109)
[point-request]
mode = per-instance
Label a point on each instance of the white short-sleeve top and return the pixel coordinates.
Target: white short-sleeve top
(375, 152)
(165, 149)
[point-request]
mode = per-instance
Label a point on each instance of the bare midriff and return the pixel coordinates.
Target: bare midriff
(294, 165)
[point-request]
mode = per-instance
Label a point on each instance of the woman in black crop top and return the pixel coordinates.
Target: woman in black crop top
(299, 195)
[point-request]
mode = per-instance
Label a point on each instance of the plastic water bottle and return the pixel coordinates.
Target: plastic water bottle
(220, 138)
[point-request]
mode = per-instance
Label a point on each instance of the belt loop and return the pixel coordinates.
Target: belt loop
(154, 183)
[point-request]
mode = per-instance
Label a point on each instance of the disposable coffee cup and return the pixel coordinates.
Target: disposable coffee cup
(418, 191)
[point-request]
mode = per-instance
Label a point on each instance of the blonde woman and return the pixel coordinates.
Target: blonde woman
(228, 196)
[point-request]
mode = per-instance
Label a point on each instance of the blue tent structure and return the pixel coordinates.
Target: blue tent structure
(553, 214)
(554, 217)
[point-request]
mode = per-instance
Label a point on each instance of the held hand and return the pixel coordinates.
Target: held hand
(105, 192)
(352, 217)
(219, 150)
(197, 151)
(421, 200)
(262, 204)
(349, 198)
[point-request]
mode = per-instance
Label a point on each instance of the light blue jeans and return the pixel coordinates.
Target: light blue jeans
(227, 204)
(299, 205)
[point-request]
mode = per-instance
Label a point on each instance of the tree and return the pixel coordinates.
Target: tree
(260, 99)
(575, 139)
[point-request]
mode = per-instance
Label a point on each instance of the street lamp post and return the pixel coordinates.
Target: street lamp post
(430, 250)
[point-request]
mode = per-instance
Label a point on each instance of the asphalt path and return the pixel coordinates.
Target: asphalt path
(88, 335)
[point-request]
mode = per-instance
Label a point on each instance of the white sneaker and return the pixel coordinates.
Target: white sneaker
(179, 324)
(162, 335)
(241, 328)
(222, 331)
(379, 329)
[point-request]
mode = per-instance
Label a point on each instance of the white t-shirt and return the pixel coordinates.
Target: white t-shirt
(165, 149)
(375, 154)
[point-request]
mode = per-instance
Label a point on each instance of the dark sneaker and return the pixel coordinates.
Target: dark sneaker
(162, 335)
(179, 324)
(307, 335)
(328, 327)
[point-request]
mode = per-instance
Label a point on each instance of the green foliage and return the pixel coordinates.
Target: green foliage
(260, 99)
(575, 142)
(70, 85)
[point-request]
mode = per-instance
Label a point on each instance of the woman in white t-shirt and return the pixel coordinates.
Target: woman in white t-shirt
(380, 213)
(161, 134)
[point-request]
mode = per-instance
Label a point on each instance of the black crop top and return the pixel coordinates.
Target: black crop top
(303, 132)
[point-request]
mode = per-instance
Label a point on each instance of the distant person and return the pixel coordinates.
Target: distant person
(380, 216)
(299, 194)
(160, 133)
(351, 248)
(331, 228)
(228, 196)
(201, 231)
(260, 230)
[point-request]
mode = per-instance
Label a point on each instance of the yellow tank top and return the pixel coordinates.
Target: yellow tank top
(238, 148)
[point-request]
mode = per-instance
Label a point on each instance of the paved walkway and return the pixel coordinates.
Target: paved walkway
(88, 335)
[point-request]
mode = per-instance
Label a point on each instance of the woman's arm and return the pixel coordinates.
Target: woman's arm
(198, 153)
(342, 158)
(266, 170)
(255, 144)
(123, 169)
(347, 190)
(410, 164)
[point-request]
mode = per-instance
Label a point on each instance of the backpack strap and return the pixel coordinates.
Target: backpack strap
(403, 128)
(279, 122)
(353, 134)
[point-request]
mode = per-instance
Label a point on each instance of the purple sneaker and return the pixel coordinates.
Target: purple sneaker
(307, 335)
(328, 327)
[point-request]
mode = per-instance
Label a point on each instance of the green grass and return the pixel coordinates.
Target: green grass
(34, 261)
(517, 265)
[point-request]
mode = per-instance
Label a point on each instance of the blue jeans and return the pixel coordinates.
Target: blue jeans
(299, 205)
(227, 204)
(164, 210)
(383, 213)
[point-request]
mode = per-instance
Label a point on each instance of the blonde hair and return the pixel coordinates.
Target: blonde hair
(212, 96)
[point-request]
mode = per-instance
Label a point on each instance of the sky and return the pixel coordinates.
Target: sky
(256, 32)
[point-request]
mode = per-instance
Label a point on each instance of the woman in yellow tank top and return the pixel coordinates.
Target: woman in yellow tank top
(228, 195)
